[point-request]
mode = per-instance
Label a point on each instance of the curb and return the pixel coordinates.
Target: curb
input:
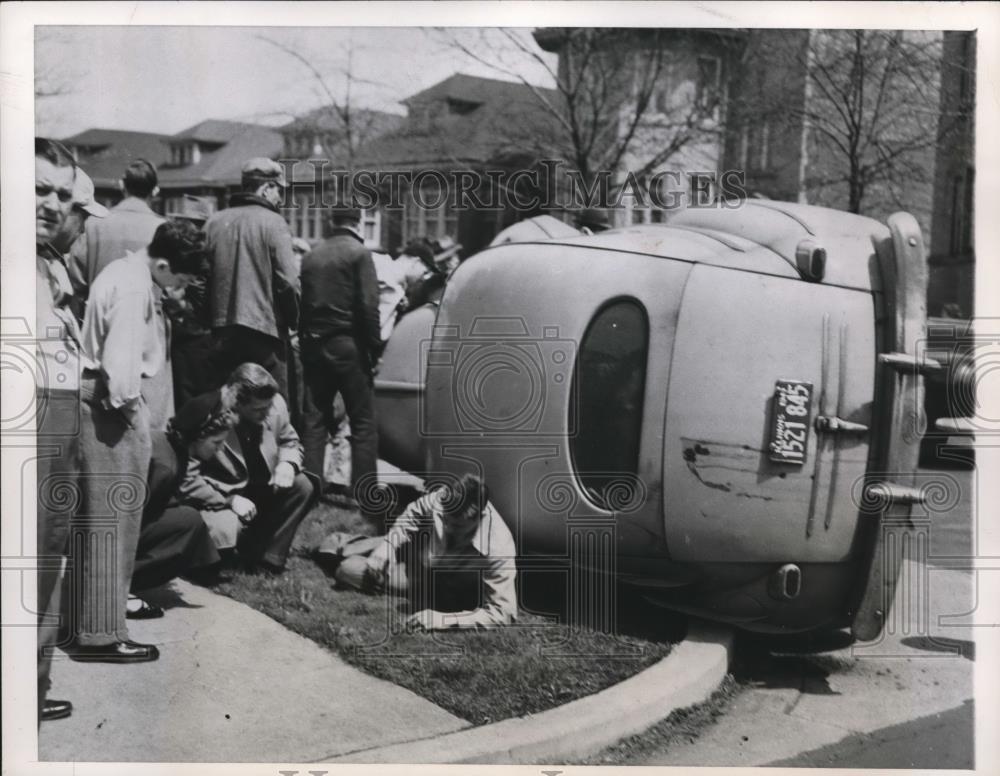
(688, 675)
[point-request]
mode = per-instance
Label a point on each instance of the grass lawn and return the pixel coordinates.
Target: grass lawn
(482, 676)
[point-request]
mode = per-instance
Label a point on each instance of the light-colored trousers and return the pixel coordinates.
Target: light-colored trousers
(114, 463)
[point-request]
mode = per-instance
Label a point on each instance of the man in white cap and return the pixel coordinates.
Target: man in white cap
(85, 205)
(253, 291)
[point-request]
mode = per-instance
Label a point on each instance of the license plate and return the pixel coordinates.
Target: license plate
(790, 424)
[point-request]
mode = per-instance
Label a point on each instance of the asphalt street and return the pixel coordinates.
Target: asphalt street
(903, 701)
(942, 740)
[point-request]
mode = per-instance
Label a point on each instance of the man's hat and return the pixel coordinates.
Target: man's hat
(263, 170)
(345, 211)
(445, 248)
(422, 250)
(84, 195)
(196, 209)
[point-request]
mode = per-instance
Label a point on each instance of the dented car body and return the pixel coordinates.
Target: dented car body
(719, 414)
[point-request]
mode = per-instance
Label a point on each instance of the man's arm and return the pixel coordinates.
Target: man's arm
(121, 357)
(367, 305)
(289, 445)
(197, 491)
(287, 284)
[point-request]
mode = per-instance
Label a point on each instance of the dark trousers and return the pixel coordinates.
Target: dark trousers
(297, 406)
(194, 370)
(57, 470)
(171, 544)
(114, 463)
(269, 535)
(333, 365)
(235, 345)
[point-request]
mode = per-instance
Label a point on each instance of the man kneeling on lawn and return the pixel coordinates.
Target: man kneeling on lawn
(253, 494)
(449, 552)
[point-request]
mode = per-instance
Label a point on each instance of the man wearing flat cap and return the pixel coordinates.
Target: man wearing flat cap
(340, 336)
(253, 291)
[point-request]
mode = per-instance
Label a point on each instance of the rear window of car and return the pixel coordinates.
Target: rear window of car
(607, 399)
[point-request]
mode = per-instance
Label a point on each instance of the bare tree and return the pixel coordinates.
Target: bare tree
(870, 102)
(619, 94)
(341, 127)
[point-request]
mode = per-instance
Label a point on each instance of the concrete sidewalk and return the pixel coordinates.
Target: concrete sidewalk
(231, 685)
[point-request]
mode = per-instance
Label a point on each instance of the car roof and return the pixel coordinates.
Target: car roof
(758, 236)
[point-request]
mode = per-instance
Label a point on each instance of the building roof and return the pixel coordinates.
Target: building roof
(465, 119)
(105, 153)
(328, 118)
(221, 166)
(230, 144)
(143, 143)
(215, 131)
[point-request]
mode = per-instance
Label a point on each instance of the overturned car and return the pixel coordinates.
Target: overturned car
(720, 414)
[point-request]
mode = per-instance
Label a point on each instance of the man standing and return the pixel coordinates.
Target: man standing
(191, 341)
(121, 346)
(253, 291)
(129, 226)
(341, 342)
(57, 401)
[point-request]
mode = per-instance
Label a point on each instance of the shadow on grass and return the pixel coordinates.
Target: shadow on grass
(542, 661)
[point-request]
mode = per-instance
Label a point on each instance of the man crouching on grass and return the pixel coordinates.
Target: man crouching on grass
(254, 493)
(449, 552)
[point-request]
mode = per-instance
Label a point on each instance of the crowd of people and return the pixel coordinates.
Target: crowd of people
(216, 357)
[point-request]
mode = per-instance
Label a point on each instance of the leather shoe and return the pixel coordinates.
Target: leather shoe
(146, 611)
(53, 709)
(116, 652)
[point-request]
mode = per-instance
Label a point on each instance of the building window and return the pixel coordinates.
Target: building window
(434, 222)
(765, 145)
(371, 227)
(962, 192)
(707, 87)
(304, 221)
(607, 399)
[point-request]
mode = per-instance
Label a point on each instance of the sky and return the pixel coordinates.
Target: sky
(165, 79)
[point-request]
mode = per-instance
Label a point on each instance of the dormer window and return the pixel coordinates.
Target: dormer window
(457, 107)
(184, 154)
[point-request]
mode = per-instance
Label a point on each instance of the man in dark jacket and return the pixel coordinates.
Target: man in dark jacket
(253, 292)
(340, 339)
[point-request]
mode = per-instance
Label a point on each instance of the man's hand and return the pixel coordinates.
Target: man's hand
(244, 508)
(284, 476)
(426, 620)
(376, 566)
